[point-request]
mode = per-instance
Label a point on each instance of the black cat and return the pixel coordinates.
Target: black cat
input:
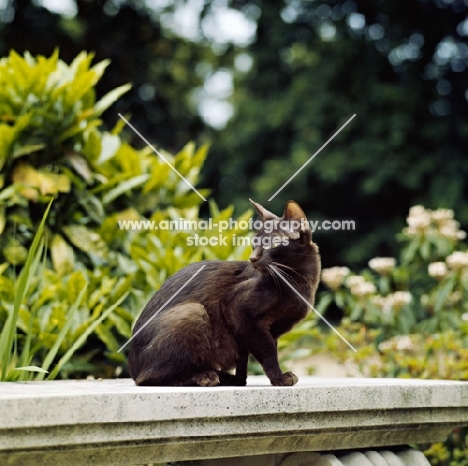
(229, 310)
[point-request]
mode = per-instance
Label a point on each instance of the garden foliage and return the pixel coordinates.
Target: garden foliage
(85, 272)
(408, 317)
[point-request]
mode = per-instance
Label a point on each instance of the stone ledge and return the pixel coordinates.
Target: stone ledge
(113, 422)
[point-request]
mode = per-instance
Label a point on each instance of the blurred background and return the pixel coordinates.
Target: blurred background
(267, 83)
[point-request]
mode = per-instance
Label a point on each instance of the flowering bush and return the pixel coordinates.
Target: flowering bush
(409, 317)
(423, 292)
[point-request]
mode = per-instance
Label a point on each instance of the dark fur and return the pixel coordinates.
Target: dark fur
(229, 310)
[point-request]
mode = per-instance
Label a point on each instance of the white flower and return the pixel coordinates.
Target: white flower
(448, 232)
(418, 219)
(359, 287)
(365, 289)
(400, 298)
(355, 280)
(333, 277)
(416, 211)
(437, 269)
(449, 228)
(435, 222)
(442, 215)
(457, 260)
(382, 265)
(400, 342)
(404, 342)
(420, 223)
(382, 303)
(392, 301)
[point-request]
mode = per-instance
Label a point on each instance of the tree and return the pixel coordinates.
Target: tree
(401, 69)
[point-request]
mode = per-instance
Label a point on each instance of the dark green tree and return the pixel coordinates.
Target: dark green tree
(400, 67)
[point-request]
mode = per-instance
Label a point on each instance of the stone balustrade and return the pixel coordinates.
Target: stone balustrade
(346, 421)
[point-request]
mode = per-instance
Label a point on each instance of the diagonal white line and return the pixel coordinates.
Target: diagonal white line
(315, 310)
(305, 164)
(162, 307)
(160, 155)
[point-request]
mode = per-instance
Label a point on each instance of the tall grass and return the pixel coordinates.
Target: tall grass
(8, 337)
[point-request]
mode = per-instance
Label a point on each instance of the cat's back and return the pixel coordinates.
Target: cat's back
(205, 275)
(204, 282)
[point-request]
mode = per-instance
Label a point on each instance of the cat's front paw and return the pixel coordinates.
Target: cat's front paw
(286, 380)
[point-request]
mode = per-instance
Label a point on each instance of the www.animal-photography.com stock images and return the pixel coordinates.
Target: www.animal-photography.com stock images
(233, 233)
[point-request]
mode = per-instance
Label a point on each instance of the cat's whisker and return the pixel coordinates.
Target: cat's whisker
(278, 264)
(272, 275)
(287, 277)
(284, 274)
(281, 272)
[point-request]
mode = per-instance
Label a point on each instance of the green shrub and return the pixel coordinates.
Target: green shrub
(52, 145)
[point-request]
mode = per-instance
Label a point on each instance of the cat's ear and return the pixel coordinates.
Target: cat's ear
(293, 213)
(265, 214)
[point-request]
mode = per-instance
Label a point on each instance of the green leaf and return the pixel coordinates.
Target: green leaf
(27, 149)
(82, 338)
(110, 98)
(405, 321)
(9, 192)
(340, 299)
(63, 332)
(426, 249)
(87, 240)
(100, 68)
(124, 187)
(93, 145)
(78, 88)
(409, 253)
(63, 258)
(107, 337)
(2, 218)
(356, 312)
(7, 136)
(26, 354)
(325, 300)
(443, 294)
(31, 369)
(110, 145)
(3, 267)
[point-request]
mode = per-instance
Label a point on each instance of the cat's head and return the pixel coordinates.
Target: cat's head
(282, 240)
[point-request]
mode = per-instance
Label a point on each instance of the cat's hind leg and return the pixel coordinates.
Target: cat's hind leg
(177, 349)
